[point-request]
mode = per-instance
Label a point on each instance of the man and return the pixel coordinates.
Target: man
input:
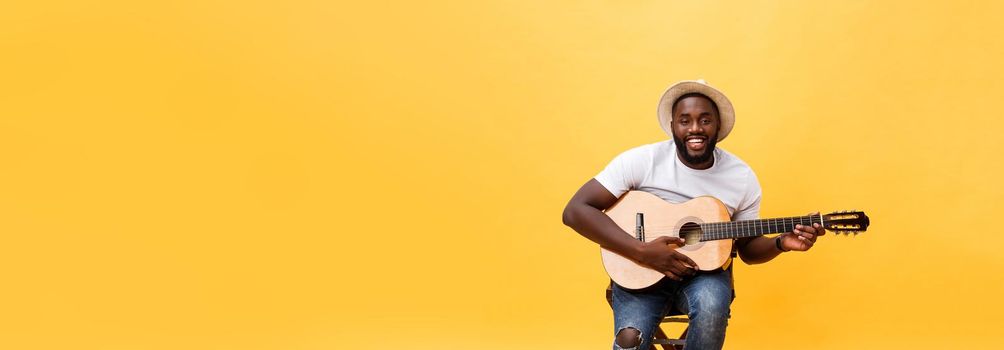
(696, 116)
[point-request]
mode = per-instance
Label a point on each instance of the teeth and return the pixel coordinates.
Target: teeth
(695, 141)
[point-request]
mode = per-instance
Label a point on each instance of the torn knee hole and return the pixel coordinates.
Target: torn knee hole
(628, 337)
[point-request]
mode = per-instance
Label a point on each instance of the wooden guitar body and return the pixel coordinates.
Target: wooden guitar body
(665, 219)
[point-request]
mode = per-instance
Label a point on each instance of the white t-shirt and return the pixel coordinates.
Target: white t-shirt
(655, 168)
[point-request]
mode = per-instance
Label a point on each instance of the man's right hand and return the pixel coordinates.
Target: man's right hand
(661, 255)
(584, 214)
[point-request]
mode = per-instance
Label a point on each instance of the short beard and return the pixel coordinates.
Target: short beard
(709, 151)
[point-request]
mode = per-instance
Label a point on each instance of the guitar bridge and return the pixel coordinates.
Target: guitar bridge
(639, 226)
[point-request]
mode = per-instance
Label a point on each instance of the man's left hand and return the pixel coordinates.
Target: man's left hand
(802, 237)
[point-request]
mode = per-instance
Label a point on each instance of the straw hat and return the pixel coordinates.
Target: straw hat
(726, 114)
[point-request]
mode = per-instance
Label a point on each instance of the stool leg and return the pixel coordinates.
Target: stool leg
(682, 337)
(659, 334)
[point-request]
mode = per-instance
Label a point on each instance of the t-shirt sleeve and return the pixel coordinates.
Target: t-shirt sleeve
(626, 172)
(749, 208)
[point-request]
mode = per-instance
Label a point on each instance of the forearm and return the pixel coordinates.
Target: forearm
(598, 227)
(758, 250)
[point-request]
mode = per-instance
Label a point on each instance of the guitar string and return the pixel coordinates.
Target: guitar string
(792, 218)
(737, 230)
(726, 229)
(705, 233)
(671, 234)
(766, 231)
(762, 222)
(735, 227)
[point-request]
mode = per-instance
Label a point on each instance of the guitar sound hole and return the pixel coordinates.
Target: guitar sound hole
(691, 234)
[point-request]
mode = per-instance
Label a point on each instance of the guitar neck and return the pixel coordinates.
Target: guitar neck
(752, 228)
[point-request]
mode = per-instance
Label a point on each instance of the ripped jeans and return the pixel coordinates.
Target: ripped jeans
(705, 298)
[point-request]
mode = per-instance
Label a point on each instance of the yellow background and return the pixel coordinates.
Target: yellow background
(318, 175)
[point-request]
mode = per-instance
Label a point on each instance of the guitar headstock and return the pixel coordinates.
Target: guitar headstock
(846, 222)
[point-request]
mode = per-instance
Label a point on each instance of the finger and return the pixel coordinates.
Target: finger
(684, 269)
(809, 229)
(687, 272)
(802, 230)
(685, 259)
(661, 239)
(674, 267)
(672, 276)
(807, 232)
(806, 243)
(808, 236)
(680, 272)
(669, 240)
(675, 241)
(814, 229)
(819, 229)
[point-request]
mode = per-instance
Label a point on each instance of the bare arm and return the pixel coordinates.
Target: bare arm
(757, 250)
(584, 214)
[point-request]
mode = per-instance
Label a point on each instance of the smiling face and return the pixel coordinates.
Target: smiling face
(695, 130)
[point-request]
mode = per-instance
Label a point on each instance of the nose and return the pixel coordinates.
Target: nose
(695, 128)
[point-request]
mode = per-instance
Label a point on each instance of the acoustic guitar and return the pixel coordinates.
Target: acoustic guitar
(704, 225)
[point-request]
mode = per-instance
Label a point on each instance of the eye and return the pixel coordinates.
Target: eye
(706, 121)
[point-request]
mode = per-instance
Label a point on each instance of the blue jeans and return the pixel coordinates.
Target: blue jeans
(705, 298)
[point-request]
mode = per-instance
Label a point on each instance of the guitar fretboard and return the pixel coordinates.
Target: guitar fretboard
(751, 228)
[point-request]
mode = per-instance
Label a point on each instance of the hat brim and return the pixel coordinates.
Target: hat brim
(726, 114)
